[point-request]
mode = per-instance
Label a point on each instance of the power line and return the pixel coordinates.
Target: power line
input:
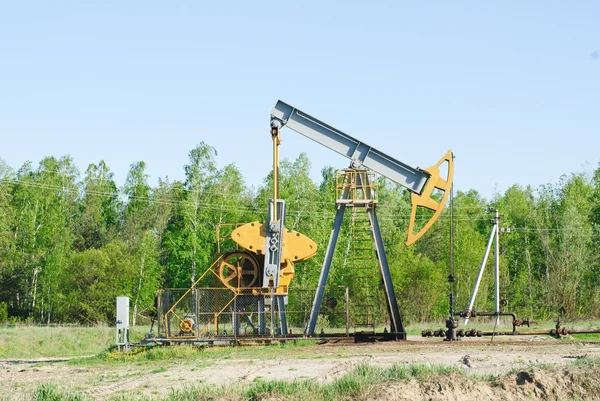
(263, 209)
(117, 193)
(212, 191)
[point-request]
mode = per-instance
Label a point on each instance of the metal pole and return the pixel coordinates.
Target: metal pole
(276, 141)
(497, 265)
(197, 303)
(261, 315)
(282, 317)
(451, 264)
(395, 319)
(347, 312)
(272, 312)
(236, 318)
(483, 262)
(335, 231)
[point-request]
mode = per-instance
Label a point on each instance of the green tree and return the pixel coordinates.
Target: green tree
(521, 250)
(136, 215)
(471, 231)
(93, 280)
(45, 203)
(566, 234)
(99, 208)
(149, 271)
(7, 250)
(189, 240)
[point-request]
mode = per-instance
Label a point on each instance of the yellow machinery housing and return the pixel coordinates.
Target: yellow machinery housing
(251, 237)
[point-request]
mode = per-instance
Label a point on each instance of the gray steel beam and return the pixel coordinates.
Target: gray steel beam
(335, 232)
(261, 315)
(312, 128)
(236, 318)
(273, 242)
(395, 319)
(282, 317)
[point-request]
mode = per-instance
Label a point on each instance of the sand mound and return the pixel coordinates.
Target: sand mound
(581, 383)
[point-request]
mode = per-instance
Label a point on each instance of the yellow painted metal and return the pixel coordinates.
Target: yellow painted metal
(187, 325)
(238, 270)
(426, 201)
(251, 237)
(223, 235)
(356, 187)
(172, 309)
(276, 143)
(286, 275)
(295, 247)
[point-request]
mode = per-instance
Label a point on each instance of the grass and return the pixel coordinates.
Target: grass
(48, 392)
(35, 342)
(587, 362)
(584, 337)
(72, 341)
(353, 385)
(170, 354)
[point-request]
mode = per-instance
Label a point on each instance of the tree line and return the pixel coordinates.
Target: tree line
(71, 242)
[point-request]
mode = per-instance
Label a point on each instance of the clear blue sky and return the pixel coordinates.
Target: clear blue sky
(512, 87)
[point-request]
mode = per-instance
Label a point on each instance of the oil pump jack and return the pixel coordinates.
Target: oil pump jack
(258, 272)
(358, 191)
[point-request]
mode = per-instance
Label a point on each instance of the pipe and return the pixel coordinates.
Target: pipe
(515, 321)
(512, 314)
(597, 331)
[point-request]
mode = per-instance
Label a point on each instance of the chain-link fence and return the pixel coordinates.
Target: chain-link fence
(206, 312)
(202, 312)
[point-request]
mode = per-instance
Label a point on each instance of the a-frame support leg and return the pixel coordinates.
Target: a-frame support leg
(397, 327)
(314, 312)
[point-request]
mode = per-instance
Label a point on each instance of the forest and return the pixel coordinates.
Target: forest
(70, 242)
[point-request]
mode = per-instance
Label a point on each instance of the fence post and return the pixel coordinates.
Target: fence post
(347, 312)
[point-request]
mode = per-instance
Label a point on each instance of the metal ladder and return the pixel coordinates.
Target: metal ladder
(365, 273)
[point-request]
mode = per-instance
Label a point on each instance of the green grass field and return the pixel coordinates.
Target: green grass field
(23, 341)
(74, 341)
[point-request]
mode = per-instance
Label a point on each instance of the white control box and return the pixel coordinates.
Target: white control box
(122, 312)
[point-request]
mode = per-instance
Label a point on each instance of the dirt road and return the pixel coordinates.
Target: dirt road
(19, 378)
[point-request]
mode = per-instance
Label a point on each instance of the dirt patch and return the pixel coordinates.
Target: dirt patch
(529, 370)
(575, 383)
